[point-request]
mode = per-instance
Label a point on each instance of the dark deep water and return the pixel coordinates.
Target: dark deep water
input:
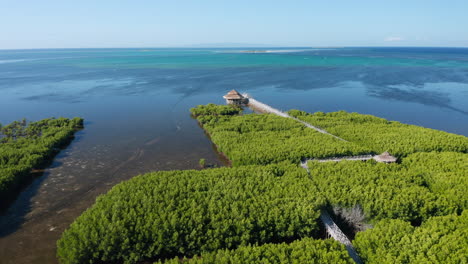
(135, 103)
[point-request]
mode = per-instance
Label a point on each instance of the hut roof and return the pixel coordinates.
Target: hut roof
(233, 94)
(385, 157)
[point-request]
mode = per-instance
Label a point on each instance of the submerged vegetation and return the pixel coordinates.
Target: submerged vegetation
(266, 208)
(25, 146)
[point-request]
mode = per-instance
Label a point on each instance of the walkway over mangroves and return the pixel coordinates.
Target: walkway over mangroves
(337, 159)
(332, 229)
(335, 232)
(268, 109)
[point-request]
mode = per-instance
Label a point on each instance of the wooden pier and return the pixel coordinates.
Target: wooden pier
(256, 105)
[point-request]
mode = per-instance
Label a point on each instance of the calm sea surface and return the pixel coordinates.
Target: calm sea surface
(136, 102)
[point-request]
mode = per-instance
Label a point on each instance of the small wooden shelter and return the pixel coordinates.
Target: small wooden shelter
(385, 158)
(234, 97)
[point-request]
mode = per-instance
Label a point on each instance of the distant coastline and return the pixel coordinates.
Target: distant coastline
(254, 51)
(273, 51)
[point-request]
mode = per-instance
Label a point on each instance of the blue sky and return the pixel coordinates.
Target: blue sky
(145, 23)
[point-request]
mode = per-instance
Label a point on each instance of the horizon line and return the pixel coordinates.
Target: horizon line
(230, 47)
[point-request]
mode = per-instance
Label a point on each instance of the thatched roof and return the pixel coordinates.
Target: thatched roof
(385, 157)
(232, 95)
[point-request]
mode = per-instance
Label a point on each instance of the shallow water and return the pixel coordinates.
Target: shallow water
(135, 104)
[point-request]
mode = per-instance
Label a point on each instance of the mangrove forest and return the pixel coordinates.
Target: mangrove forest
(266, 208)
(25, 146)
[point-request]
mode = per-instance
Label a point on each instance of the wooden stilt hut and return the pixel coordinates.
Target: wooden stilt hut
(234, 97)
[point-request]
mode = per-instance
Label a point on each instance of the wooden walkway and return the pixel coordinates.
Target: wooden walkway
(254, 104)
(335, 232)
(332, 229)
(336, 159)
(265, 108)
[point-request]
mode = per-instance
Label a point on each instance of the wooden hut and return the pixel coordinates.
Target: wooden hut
(385, 158)
(234, 97)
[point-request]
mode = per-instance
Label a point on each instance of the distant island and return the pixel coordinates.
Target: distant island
(254, 51)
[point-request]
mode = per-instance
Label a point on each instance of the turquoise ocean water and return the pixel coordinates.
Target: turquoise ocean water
(424, 86)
